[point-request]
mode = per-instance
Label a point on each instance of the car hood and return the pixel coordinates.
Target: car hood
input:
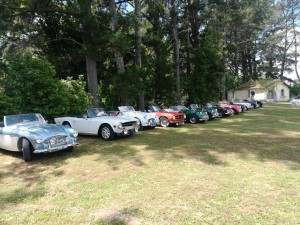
(139, 113)
(172, 113)
(114, 119)
(42, 129)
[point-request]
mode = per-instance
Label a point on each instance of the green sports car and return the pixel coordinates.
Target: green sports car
(192, 116)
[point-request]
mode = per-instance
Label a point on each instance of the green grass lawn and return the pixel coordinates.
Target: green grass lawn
(242, 169)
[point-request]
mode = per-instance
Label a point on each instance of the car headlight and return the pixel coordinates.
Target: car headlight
(138, 122)
(184, 116)
(120, 125)
(145, 116)
(39, 139)
(74, 133)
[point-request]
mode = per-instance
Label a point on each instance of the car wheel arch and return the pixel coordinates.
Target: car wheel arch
(164, 118)
(111, 130)
(20, 143)
(27, 149)
(66, 123)
(141, 125)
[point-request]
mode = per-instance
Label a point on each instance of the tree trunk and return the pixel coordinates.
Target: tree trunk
(138, 54)
(118, 56)
(176, 51)
(283, 58)
(92, 79)
(91, 68)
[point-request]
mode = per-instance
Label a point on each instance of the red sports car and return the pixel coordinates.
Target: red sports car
(167, 117)
(236, 108)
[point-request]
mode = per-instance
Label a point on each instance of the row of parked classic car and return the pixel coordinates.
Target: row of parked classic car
(30, 133)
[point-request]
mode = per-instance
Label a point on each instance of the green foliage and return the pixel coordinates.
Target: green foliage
(295, 90)
(30, 81)
(203, 85)
(78, 99)
(134, 79)
(7, 106)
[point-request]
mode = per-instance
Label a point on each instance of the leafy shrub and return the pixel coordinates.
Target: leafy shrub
(6, 105)
(78, 99)
(295, 90)
(32, 84)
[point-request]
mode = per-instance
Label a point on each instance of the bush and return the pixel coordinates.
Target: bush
(295, 90)
(32, 84)
(79, 100)
(6, 105)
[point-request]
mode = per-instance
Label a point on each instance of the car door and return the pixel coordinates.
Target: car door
(8, 139)
(82, 125)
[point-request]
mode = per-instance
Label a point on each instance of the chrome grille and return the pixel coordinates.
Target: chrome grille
(128, 124)
(57, 140)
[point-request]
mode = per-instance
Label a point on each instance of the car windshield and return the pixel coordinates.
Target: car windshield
(170, 110)
(193, 106)
(182, 107)
(96, 112)
(154, 108)
(126, 108)
(24, 118)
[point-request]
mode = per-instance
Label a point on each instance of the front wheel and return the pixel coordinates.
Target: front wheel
(27, 151)
(140, 127)
(193, 119)
(164, 122)
(106, 132)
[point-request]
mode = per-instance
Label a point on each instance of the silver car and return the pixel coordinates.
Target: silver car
(30, 133)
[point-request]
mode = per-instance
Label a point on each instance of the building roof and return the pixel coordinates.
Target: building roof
(259, 84)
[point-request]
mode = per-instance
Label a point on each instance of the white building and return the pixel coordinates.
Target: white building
(271, 90)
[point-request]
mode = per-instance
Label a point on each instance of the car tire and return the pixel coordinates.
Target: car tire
(27, 150)
(164, 122)
(193, 119)
(221, 113)
(141, 126)
(106, 132)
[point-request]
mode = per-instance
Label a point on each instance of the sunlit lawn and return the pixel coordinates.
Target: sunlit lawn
(243, 169)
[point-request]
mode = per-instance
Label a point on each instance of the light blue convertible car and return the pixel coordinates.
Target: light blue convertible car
(30, 133)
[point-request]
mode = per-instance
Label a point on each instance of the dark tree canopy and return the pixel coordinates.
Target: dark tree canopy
(152, 51)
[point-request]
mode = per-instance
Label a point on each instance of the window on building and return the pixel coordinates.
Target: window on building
(282, 92)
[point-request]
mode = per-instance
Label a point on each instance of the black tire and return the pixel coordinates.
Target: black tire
(222, 114)
(70, 149)
(27, 150)
(67, 124)
(164, 122)
(235, 112)
(141, 126)
(193, 119)
(106, 132)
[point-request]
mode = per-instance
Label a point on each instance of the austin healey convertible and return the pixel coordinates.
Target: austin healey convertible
(30, 133)
(98, 123)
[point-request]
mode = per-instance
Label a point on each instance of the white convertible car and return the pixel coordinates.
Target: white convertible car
(98, 122)
(146, 119)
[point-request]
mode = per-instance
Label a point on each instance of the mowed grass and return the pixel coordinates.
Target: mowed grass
(243, 169)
